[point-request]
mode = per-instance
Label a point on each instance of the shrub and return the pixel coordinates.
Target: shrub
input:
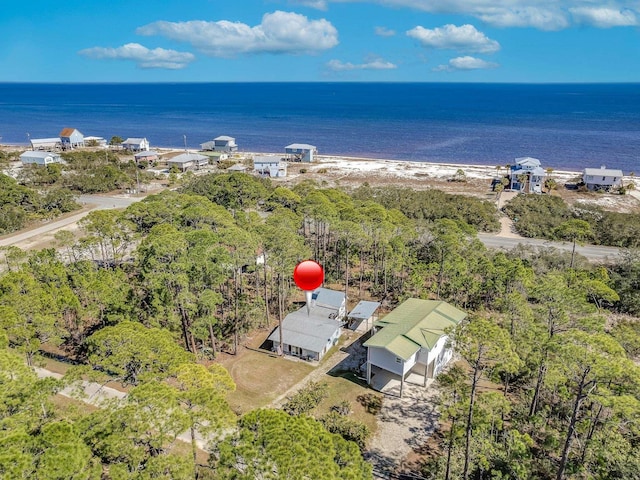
(372, 402)
(306, 399)
(347, 428)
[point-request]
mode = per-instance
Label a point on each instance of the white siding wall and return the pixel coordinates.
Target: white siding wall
(437, 348)
(384, 359)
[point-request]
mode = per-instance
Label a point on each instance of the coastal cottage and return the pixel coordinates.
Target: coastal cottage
(136, 144)
(188, 161)
(46, 143)
(411, 340)
(222, 143)
(269, 167)
(39, 158)
(527, 176)
(602, 178)
(149, 156)
(310, 335)
(71, 138)
(301, 152)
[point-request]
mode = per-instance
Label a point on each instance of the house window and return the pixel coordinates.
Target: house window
(398, 360)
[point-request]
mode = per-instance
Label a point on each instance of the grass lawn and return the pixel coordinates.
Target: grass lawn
(347, 387)
(261, 378)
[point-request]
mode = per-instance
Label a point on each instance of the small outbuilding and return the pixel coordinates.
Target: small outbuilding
(301, 152)
(602, 178)
(363, 316)
(412, 339)
(39, 158)
(223, 143)
(71, 138)
(269, 167)
(188, 161)
(46, 143)
(136, 144)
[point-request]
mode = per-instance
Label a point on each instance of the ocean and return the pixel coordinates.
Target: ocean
(566, 126)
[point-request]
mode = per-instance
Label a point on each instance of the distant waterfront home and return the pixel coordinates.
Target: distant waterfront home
(269, 167)
(238, 167)
(149, 156)
(135, 144)
(46, 143)
(95, 142)
(310, 335)
(188, 161)
(363, 316)
(40, 158)
(411, 340)
(222, 143)
(527, 176)
(71, 138)
(602, 178)
(301, 152)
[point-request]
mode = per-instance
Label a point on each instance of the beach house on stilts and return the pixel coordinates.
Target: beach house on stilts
(527, 176)
(410, 343)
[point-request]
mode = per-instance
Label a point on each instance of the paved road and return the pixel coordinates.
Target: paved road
(95, 202)
(592, 252)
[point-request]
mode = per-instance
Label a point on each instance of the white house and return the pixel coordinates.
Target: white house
(527, 175)
(222, 143)
(46, 143)
(40, 158)
(269, 167)
(602, 178)
(135, 144)
(71, 138)
(310, 334)
(412, 339)
(188, 161)
(301, 152)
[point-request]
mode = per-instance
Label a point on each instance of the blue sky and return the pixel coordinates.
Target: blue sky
(320, 40)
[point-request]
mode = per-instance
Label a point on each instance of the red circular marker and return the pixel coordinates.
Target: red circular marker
(308, 275)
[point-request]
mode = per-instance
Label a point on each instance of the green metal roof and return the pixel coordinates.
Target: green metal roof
(413, 325)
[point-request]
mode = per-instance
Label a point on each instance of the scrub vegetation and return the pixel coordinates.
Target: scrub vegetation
(547, 385)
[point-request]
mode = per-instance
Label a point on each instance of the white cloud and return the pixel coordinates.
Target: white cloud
(465, 63)
(317, 4)
(540, 14)
(603, 17)
(144, 57)
(373, 64)
(464, 38)
(279, 32)
(384, 32)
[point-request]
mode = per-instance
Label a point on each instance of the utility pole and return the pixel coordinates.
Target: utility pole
(29, 140)
(185, 142)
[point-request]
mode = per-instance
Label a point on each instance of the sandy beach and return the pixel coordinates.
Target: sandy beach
(351, 172)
